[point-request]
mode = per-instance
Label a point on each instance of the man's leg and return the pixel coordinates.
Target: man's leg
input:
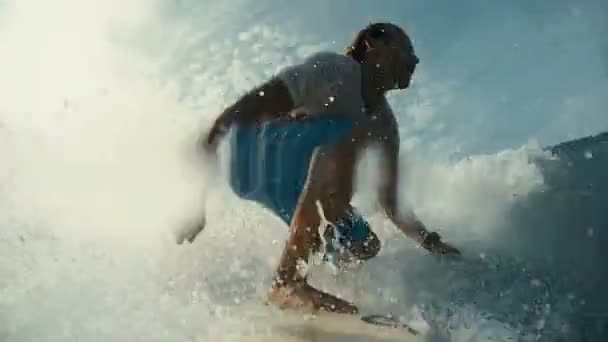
(290, 288)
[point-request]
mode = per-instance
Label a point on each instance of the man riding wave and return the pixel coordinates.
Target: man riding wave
(297, 139)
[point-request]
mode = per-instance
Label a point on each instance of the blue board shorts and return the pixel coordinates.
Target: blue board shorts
(269, 165)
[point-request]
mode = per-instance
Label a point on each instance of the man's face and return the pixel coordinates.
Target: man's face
(395, 55)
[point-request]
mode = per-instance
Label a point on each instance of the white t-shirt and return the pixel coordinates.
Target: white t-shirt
(330, 83)
(325, 82)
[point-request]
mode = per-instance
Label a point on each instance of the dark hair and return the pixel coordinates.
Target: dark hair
(375, 31)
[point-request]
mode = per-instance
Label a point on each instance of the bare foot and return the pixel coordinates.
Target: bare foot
(304, 296)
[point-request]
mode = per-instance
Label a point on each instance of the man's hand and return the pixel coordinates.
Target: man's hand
(190, 232)
(443, 248)
(211, 140)
(432, 243)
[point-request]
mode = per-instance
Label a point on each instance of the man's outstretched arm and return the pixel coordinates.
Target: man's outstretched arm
(388, 196)
(269, 100)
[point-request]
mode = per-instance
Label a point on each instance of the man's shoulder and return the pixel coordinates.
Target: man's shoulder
(325, 82)
(323, 63)
(330, 57)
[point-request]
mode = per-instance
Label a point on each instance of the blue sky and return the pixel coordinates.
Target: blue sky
(494, 75)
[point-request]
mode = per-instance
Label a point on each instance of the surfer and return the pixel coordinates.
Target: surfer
(297, 140)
